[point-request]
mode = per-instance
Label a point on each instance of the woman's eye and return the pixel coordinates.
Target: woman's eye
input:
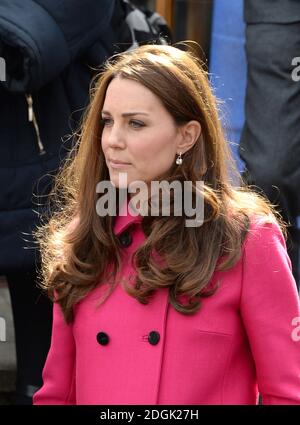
(105, 121)
(137, 124)
(133, 123)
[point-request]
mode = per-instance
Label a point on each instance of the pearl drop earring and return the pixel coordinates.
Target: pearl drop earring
(179, 159)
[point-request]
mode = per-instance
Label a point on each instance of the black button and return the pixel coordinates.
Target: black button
(153, 337)
(102, 338)
(125, 239)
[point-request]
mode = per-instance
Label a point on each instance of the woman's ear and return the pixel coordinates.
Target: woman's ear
(190, 133)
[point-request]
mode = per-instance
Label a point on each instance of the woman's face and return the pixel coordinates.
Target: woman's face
(140, 137)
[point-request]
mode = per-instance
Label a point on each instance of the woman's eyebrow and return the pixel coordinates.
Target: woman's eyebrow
(126, 114)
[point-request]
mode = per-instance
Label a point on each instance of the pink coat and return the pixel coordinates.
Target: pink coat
(243, 339)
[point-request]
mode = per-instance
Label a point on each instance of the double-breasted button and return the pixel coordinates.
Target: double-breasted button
(102, 338)
(153, 337)
(125, 239)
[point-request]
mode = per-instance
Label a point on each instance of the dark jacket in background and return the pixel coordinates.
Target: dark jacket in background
(49, 48)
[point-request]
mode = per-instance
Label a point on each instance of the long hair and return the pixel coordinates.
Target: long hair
(79, 248)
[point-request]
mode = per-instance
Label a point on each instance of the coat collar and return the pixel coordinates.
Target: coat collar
(125, 218)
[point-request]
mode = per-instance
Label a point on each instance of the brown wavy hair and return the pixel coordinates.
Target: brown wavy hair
(78, 246)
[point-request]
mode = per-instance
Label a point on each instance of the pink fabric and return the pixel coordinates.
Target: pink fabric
(238, 343)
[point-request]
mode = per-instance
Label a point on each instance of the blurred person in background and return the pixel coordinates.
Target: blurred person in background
(47, 46)
(270, 142)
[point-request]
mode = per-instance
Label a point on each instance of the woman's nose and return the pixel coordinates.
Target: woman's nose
(116, 137)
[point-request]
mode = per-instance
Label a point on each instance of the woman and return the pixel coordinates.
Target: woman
(147, 309)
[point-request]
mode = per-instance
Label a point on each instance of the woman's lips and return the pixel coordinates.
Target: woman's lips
(118, 164)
